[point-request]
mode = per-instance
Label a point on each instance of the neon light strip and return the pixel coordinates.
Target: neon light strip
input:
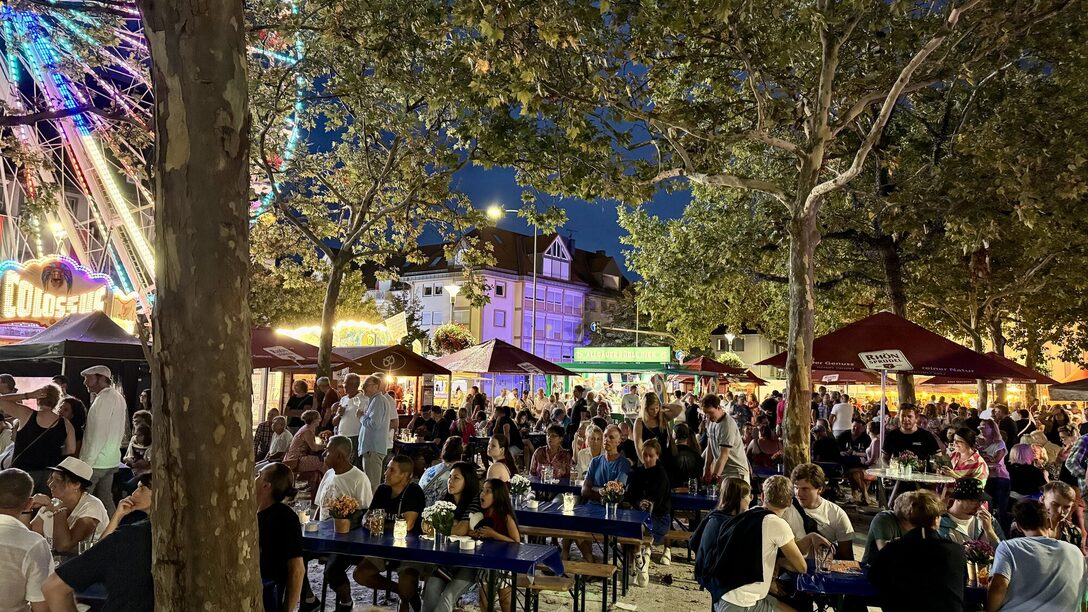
(42, 261)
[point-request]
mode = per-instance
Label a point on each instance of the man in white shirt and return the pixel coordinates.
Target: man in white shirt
(281, 439)
(105, 431)
(828, 519)
(842, 414)
(342, 478)
(348, 415)
(25, 561)
(630, 401)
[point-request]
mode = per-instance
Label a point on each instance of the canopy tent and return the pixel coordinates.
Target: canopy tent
(498, 357)
(753, 379)
(706, 364)
(394, 359)
(76, 343)
(1024, 375)
(1070, 391)
(844, 377)
(272, 350)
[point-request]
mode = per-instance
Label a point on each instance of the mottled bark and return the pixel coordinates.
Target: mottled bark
(328, 319)
(205, 540)
(896, 291)
(997, 338)
(983, 386)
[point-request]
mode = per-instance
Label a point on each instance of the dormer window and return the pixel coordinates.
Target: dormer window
(556, 261)
(611, 281)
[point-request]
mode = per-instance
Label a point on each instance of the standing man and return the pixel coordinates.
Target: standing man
(25, 561)
(62, 382)
(630, 402)
(842, 415)
(377, 418)
(724, 455)
(104, 434)
(325, 400)
(348, 415)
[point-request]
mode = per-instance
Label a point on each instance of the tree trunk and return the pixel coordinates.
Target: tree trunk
(1032, 349)
(983, 389)
(896, 292)
(997, 337)
(804, 237)
(203, 510)
(328, 318)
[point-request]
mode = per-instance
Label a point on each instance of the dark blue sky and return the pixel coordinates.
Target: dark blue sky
(593, 225)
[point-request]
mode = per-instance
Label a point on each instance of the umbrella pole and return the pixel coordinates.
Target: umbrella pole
(883, 407)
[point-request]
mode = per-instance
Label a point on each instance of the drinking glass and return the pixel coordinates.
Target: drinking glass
(546, 474)
(376, 522)
(568, 502)
(824, 556)
(85, 544)
(693, 486)
(400, 529)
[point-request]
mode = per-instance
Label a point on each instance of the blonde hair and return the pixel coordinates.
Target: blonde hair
(777, 492)
(650, 399)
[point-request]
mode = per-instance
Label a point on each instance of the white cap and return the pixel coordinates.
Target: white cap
(76, 468)
(101, 370)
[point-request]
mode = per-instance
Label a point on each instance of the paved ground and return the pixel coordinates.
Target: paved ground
(670, 585)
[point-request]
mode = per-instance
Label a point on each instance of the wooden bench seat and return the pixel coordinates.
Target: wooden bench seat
(584, 571)
(545, 532)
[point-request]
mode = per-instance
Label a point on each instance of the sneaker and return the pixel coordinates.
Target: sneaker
(309, 606)
(666, 557)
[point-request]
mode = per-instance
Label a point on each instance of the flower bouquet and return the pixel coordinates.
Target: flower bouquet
(520, 485)
(342, 509)
(612, 494)
(909, 460)
(980, 554)
(440, 517)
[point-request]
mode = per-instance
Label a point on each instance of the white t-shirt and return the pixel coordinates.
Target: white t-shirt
(352, 483)
(844, 416)
(353, 409)
(630, 403)
(88, 506)
(280, 442)
(25, 563)
(776, 534)
(831, 521)
(1043, 574)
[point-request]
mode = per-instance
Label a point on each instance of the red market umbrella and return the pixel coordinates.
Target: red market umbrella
(1025, 375)
(706, 364)
(844, 377)
(753, 379)
(273, 350)
(498, 357)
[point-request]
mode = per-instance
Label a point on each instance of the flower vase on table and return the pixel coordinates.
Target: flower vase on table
(611, 496)
(980, 554)
(440, 518)
(342, 509)
(520, 487)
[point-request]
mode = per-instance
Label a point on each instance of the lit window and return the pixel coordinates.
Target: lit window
(438, 289)
(500, 318)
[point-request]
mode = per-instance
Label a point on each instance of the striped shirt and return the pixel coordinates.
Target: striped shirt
(970, 466)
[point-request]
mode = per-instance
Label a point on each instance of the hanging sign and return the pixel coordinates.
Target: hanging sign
(891, 360)
(43, 291)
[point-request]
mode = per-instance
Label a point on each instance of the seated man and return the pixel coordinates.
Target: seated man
(966, 519)
(281, 440)
(824, 448)
(25, 562)
(921, 570)
(888, 525)
(735, 557)
(810, 512)
(399, 496)
(1036, 571)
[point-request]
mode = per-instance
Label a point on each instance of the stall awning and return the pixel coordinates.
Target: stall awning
(272, 350)
(607, 367)
(394, 359)
(93, 335)
(498, 357)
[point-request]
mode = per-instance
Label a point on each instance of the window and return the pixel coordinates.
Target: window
(555, 299)
(500, 289)
(527, 326)
(738, 344)
(570, 330)
(555, 268)
(500, 318)
(591, 304)
(571, 304)
(425, 318)
(427, 290)
(554, 329)
(552, 352)
(722, 345)
(439, 317)
(438, 289)
(611, 281)
(461, 317)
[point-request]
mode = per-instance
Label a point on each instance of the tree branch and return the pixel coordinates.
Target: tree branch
(49, 115)
(723, 180)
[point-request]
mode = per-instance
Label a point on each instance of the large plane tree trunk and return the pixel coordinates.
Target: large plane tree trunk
(804, 238)
(204, 513)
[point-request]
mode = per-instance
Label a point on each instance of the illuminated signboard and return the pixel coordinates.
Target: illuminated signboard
(43, 291)
(351, 333)
(623, 354)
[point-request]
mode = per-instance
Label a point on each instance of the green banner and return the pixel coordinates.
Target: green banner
(625, 354)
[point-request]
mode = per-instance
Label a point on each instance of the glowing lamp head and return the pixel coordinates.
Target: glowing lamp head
(494, 212)
(452, 289)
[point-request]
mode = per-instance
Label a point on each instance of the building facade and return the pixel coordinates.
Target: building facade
(573, 288)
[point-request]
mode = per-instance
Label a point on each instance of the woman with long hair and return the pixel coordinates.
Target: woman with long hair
(44, 437)
(993, 451)
(653, 424)
(73, 409)
(736, 496)
(766, 450)
(966, 460)
(498, 451)
(446, 584)
(499, 523)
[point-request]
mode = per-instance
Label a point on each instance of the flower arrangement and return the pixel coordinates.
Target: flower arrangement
(613, 491)
(440, 516)
(342, 507)
(978, 551)
(519, 485)
(907, 458)
(450, 338)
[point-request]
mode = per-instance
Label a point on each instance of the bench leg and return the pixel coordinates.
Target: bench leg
(604, 594)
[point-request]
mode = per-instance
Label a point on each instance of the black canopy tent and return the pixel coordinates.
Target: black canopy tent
(76, 343)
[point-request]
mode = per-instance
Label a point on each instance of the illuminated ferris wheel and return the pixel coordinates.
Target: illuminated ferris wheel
(75, 183)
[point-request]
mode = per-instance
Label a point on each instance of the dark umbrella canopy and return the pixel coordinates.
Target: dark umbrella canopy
(706, 364)
(93, 335)
(1070, 391)
(498, 357)
(1024, 375)
(272, 350)
(394, 358)
(845, 377)
(927, 353)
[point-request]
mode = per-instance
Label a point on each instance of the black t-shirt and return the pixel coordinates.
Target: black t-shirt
(426, 426)
(122, 563)
(627, 447)
(515, 433)
(1008, 431)
(1025, 479)
(769, 405)
(825, 450)
(464, 510)
(304, 403)
(279, 535)
(441, 430)
(651, 484)
(932, 561)
(691, 417)
(848, 443)
(922, 443)
(411, 499)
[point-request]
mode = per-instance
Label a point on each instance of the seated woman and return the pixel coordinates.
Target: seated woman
(303, 456)
(502, 466)
(736, 496)
(552, 455)
(966, 460)
(138, 456)
(1026, 478)
(279, 534)
(78, 515)
(133, 508)
(447, 584)
(648, 489)
(433, 481)
(499, 523)
(766, 450)
(463, 427)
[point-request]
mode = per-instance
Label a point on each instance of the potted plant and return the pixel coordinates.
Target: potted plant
(450, 338)
(612, 494)
(519, 488)
(342, 509)
(440, 517)
(979, 555)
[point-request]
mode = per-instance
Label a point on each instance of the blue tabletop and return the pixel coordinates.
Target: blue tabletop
(857, 584)
(414, 446)
(680, 501)
(561, 485)
(586, 517)
(489, 554)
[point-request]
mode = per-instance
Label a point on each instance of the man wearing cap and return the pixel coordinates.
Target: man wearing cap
(25, 561)
(966, 519)
(105, 431)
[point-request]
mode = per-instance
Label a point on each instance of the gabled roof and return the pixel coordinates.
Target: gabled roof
(514, 254)
(498, 357)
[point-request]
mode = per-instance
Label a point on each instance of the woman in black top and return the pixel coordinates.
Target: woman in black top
(1025, 478)
(507, 427)
(279, 534)
(653, 424)
(446, 584)
(44, 437)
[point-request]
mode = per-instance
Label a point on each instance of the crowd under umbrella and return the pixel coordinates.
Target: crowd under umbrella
(498, 357)
(899, 345)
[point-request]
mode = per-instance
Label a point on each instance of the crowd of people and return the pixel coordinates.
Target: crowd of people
(1019, 486)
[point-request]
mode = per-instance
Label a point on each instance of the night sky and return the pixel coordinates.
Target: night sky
(593, 225)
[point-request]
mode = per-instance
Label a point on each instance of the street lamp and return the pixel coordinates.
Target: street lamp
(453, 290)
(495, 212)
(730, 338)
